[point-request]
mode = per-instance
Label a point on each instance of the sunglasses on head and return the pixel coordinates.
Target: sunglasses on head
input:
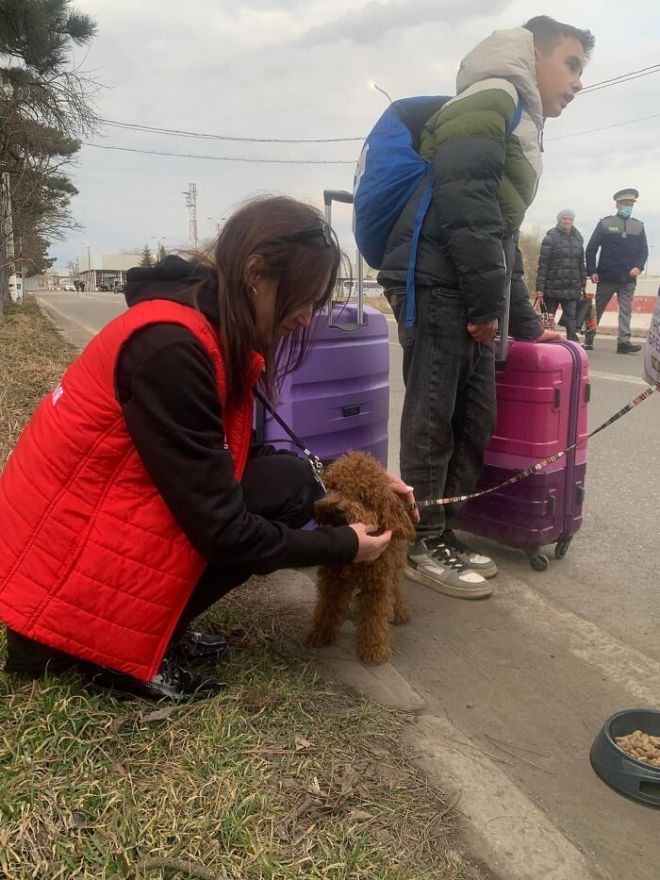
(316, 235)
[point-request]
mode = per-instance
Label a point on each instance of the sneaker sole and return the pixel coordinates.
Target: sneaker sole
(446, 589)
(485, 572)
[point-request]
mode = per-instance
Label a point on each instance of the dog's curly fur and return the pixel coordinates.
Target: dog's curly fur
(358, 491)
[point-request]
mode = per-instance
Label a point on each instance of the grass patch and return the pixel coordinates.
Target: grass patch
(282, 776)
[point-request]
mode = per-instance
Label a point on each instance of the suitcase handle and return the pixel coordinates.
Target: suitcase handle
(346, 197)
(336, 195)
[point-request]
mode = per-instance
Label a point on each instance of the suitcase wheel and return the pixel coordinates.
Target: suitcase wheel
(561, 548)
(539, 561)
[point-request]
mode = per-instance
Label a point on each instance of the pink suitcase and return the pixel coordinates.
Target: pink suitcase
(542, 396)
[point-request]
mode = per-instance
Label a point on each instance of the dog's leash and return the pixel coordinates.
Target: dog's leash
(522, 475)
(314, 461)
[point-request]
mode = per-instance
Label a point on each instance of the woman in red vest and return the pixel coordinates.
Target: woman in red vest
(135, 498)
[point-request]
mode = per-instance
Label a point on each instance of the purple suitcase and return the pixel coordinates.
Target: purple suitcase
(338, 399)
(542, 396)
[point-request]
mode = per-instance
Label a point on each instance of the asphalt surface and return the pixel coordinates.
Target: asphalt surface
(530, 674)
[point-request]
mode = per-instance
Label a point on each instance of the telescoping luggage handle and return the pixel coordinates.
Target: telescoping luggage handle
(509, 254)
(342, 195)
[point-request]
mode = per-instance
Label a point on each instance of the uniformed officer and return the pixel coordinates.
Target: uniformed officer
(623, 254)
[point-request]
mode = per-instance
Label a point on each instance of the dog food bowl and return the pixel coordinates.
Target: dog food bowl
(625, 774)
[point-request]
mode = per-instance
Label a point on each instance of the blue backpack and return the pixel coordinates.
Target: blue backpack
(389, 172)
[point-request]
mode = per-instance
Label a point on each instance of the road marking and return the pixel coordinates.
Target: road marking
(47, 305)
(638, 673)
(616, 377)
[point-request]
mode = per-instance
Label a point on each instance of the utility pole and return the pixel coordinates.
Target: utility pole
(191, 204)
(8, 251)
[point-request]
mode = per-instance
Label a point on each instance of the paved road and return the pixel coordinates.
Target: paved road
(549, 657)
(530, 674)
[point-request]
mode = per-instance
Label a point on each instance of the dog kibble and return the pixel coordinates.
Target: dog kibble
(640, 746)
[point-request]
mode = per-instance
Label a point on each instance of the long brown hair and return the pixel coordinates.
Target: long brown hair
(265, 227)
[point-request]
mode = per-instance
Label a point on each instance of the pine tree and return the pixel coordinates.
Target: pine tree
(44, 110)
(162, 253)
(147, 256)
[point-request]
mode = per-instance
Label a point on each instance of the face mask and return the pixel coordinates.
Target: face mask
(625, 211)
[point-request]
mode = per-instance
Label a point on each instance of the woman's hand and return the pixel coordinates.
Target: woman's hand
(406, 494)
(370, 545)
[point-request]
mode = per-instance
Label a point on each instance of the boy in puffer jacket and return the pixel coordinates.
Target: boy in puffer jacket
(485, 175)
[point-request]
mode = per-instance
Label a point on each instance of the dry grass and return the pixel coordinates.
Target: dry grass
(32, 358)
(282, 776)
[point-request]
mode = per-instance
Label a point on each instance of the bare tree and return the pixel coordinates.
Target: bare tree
(530, 248)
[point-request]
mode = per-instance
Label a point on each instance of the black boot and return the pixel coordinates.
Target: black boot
(628, 348)
(173, 682)
(195, 646)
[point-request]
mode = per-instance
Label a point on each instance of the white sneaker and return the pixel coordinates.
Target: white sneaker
(483, 565)
(431, 562)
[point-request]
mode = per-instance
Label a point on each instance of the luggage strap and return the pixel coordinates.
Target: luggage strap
(551, 459)
(314, 461)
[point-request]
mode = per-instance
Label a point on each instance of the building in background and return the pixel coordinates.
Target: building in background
(104, 271)
(51, 279)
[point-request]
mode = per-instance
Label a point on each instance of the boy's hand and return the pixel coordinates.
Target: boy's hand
(406, 494)
(483, 332)
(549, 336)
(594, 278)
(634, 272)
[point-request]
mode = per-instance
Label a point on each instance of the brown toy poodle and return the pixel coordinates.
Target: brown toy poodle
(358, 491)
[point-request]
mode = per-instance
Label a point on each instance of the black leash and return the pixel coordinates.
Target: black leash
(314, 461)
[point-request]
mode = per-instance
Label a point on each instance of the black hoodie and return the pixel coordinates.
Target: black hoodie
(165, 383)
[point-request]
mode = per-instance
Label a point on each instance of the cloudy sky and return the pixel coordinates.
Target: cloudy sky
(301, 69)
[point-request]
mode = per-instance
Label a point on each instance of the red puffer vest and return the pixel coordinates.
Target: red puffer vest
(92, 562)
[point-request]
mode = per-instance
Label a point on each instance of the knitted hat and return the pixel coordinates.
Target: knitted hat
(566, 213)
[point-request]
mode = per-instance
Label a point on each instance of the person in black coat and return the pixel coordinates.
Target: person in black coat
(562, 276)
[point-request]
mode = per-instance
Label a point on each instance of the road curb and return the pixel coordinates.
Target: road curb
(504, 828)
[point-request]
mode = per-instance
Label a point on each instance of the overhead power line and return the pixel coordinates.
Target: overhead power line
(225, 158)
(622, 78)
(173, 132)
(324, 161)
(562, 137)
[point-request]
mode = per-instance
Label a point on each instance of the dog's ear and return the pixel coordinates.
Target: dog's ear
(398, 519)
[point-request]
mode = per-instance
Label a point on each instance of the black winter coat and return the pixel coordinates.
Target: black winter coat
(561, 272)
(474, 210)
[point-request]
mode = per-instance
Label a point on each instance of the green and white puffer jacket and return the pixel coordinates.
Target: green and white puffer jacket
(484, 179)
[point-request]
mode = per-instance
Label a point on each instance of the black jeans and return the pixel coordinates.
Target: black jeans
(449, 406)
(277, 487)
(569, 310)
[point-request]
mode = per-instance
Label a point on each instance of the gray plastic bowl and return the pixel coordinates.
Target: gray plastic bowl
(624, 774)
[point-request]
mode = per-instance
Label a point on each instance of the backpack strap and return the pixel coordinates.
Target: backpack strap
(422, 208)
(517, 116)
